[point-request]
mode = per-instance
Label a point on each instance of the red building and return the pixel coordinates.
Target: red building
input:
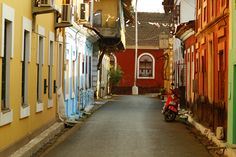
(211, 60)
(151, 61)
(149, 74)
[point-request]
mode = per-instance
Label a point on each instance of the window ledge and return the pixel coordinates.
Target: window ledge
(24, 111)
(146, 78)
(6, 117)
(50, 103)
(39, 107)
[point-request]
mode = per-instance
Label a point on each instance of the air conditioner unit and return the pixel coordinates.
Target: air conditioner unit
(66, 13)
(84, 12)
(45, 3)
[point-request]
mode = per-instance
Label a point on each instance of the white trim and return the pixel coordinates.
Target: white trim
(50, 103)
(153, 66)
(51, 36)
(66, 96)
(187, 34)
(60, 38)
(72, 94)
(41, 32)
(74, 54)
(51, 39)
(192, 48)
(27, 25)
(24, 112)
(115, 60)
(9, 14)
(188, 50)
(6, 118)
(60, 64)
(39, 107)
(67, 53)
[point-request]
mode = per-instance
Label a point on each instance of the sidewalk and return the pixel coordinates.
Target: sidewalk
(42, 139)
(229, 151)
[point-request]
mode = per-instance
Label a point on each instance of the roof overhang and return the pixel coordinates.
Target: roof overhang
(185, 30)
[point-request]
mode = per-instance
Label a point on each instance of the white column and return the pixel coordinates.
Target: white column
(135, 88)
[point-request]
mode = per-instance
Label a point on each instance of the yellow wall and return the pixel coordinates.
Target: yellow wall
(109, 8)
(21, 128)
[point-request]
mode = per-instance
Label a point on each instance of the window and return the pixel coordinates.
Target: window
(50, 69)
(39, 64)
(82, 64)
(86, 72)
(97, 18)
(39, 70)
(90, 71)
(212, 8)
(67, 77)
(7, 47)
(24, 79)
(86, 65)
(25, 60)
(60, 65)
(7, 50)
(73, 76)
(221, 75)
(204, 13)
(146, 66)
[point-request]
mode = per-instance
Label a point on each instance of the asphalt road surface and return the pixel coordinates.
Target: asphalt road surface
(130, 126)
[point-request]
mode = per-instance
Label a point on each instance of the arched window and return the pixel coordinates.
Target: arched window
(146, 66)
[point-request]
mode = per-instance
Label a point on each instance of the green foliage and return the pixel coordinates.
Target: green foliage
(115, 75)
(162, 90)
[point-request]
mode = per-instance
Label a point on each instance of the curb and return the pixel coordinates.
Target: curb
(35, 144)
(230, 152)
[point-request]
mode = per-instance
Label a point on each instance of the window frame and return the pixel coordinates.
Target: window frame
(25, 59)
(50, 69)
(153, 66)
(39, 63)
(8, 13)
(60, 61)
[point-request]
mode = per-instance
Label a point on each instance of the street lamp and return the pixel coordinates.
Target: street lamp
(135, 88)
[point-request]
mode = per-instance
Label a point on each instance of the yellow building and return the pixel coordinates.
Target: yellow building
(29, 73)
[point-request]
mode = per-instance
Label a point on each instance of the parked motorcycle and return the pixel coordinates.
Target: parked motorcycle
(171, 107)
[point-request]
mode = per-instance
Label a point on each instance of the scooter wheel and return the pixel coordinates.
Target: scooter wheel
(169, 116)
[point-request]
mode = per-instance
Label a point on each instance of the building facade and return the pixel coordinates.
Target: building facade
(149, 71)
(29, 71)
(231, 137)
(211, 72)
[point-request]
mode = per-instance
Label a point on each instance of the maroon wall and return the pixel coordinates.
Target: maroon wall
(126, 62)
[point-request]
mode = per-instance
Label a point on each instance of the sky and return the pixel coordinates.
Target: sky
(149, 5)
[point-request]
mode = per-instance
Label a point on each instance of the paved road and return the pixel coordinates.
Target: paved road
(130, 126)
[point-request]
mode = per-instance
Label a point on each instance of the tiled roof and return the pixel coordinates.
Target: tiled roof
(128, 10)
(150, 26)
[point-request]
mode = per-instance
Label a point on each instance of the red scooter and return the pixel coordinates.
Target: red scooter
(171, 107)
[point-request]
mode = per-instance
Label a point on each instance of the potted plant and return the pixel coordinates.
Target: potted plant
(115, 76)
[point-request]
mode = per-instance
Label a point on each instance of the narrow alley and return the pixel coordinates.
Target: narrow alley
(129, 126)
